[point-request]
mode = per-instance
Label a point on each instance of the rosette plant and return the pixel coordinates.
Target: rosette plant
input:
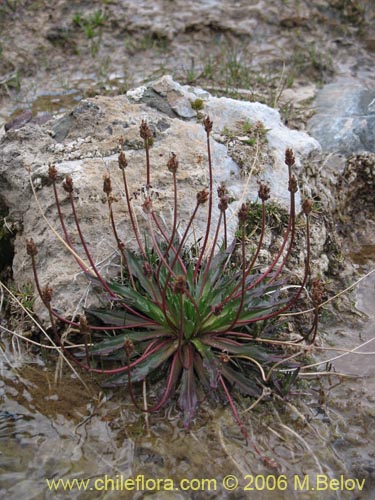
(190, 318)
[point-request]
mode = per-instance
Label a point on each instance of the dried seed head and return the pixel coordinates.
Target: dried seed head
(52, 172)
(317, 292)
(122, 161)
(202, 197)
(147, 206)
(46, 294)
(31, 248)
(172, 163)
(107, 185)
(207, 123)
(293, 186)
(179, 286)
(264, 191)
(223, 203)
(243, 214)
(68, 184)
(289, 157)
(144, 131)
(147, 270)
(128, 347)
(216, 310)
(222, 190)
(83, 324)
(307, 205)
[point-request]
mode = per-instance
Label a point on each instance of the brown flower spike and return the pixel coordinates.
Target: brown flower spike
(31, 248)
(172, 163)
(122, 161)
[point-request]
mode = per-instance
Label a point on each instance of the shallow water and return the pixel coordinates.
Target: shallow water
(63, 430)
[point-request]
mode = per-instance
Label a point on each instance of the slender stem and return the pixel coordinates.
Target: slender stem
(174, 229)
(292, 235)
(148, 176)
(102, 281)
(234, 294)
(234, 409)
(66, 234)
(131, 214)
(181, 332)
(169, 241)
(296, 296)
(208, 227)
(207, 269)
(243, 280)
(182, 242)
(120, 244)
(225, 230)
(156, 246)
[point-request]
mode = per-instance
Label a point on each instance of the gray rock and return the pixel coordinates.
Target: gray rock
(345, 118)
(90, 148)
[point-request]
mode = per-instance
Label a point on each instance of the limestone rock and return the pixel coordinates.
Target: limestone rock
(85, 145)
(345, 118)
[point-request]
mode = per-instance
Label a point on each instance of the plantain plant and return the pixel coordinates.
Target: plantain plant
(190, 317)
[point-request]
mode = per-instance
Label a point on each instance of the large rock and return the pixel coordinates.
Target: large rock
(85, 144)
(344, 121)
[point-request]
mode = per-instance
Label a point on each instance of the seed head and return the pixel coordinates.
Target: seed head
(46, 294)
(147, 205)
(107, 185)
(207, 123)
(83, 324)
(223, 203)
(172, 163)
(144, 131)
(289, 157)
(293, 186)
(222, 190)
(179, 286)
(243, 214)
(307, 206)
(128, 347)
(264, 191)
(52, 172)
(202, 197)
(68, 184)
(31, 248)
(122, 161)
(317, 292)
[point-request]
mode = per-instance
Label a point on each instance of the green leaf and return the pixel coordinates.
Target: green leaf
(188, 399)
(244, 384)
(216, 268)
(210, 362)
(140, 371)
(116, 317)
(139, 302)
(242, 349)
(190, 318)
(136, 268)
(108, 346)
